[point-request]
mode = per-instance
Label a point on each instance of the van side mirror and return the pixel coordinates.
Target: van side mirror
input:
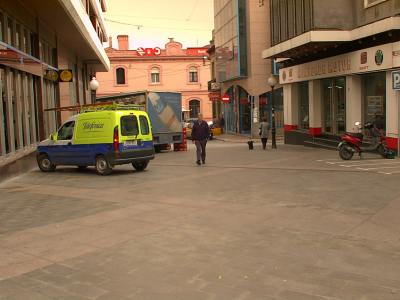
(53, 137)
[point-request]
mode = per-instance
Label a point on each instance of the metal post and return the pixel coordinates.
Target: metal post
(273, 119)
(398, 123)
(251, 103)
(93, 95)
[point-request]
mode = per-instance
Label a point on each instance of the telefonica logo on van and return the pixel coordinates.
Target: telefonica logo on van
(92, 125)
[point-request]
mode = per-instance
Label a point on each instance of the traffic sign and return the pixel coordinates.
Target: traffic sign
(226, 98)
(396, 80)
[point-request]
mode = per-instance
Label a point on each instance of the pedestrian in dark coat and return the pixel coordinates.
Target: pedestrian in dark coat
(222, 123)
(200, 134)
(264, 132)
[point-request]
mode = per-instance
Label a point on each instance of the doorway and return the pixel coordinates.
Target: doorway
(334, 105)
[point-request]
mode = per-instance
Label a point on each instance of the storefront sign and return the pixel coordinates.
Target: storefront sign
(65, 75)
(20, 61)
(214, 96)
(396, 80)
(244, 101)
(50, 74)
(379, 57)
(149, 51)
(375, 105)
(263, 100)
(350, 63)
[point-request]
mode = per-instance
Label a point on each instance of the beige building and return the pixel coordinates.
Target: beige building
(240, 34)
(37, 42)
(336, 67)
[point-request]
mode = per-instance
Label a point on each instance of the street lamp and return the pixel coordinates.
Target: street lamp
(93, 85)
(272, 82)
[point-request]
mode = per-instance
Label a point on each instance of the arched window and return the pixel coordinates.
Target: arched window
(120, 75)
(155, 75)
(194, 107)
(193, 74)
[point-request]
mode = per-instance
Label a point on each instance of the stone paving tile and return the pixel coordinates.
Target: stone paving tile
(240, 228)
(20, 210)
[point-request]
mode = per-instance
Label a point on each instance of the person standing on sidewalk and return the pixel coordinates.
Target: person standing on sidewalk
(200, 134)
(222, 123)
(264, 132)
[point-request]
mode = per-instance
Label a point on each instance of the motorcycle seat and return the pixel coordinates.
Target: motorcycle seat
(356, 135)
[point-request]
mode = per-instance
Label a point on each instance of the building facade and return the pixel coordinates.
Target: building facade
(336, 59)
(170, 69)
(240, 34)
(37, 43)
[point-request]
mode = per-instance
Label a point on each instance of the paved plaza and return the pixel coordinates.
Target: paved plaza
(288, 224)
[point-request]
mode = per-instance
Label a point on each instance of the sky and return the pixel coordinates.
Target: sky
(149, 23)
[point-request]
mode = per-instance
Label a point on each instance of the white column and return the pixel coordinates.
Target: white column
(290, 106)
(354, 110)
(391, 112)
(315, 105)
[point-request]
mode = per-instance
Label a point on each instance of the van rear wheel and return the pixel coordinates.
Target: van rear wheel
(140, 166)
(45, 163)
(102, 166)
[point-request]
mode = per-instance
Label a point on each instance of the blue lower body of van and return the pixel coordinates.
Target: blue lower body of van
(85, 154)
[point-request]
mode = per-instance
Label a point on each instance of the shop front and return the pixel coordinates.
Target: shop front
(237, 110)
(244, 111)
(326, 97)
(265, 102)
(228, 110)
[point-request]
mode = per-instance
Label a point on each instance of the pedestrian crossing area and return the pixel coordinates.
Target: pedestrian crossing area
(373, 164)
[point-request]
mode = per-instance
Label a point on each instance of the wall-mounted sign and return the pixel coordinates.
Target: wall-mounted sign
(375, 105)
(65, 75)
(363, 57)
(214, 96)
(149, 51)
(50, 74)
(379, 57)
(396, 80)
(244, 101)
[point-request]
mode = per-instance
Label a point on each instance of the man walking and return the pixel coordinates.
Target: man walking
(200, 134)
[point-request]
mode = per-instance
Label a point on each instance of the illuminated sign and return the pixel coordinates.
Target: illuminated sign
(65, 75)
(149, 51)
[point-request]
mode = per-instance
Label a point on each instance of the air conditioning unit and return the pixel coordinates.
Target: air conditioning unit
(215, 86)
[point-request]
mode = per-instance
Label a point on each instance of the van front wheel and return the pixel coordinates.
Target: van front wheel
(140, 166)
(102, 166)
(45, 163)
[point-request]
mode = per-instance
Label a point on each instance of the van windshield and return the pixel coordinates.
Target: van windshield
(129, 125)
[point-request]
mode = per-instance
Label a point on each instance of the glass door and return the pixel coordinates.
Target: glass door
(339, 98)
(334, 105)
(327, 87)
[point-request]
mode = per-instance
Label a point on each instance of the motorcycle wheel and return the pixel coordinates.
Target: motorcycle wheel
(381, 150)
(345, 153)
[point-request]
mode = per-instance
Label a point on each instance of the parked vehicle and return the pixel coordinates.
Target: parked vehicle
(352, 143)
(101, 136)
(164, 110)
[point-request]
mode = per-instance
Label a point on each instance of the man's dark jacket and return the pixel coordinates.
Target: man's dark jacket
(200, 131)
